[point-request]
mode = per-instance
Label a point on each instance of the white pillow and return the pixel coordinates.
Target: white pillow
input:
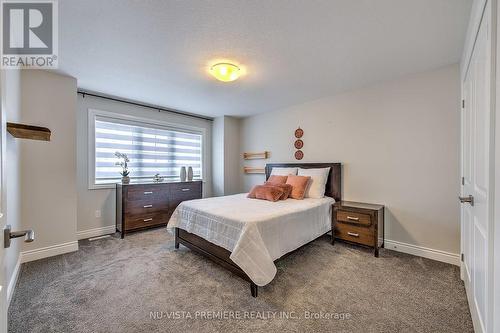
(284, 171)
(316, 186)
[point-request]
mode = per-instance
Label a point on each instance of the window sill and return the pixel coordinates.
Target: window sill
(102, 186)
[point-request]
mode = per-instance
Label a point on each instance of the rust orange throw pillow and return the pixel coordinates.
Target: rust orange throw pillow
(299, 185)
(274, 179)
(266, 192)
(287, 189)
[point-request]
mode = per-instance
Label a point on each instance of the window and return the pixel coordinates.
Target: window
(151, 148)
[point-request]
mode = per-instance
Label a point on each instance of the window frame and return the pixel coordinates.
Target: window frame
(137, 120)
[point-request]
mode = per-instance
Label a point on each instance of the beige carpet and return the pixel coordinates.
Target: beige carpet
(114, 285)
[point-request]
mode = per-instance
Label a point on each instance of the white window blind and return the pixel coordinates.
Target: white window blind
(151, 150)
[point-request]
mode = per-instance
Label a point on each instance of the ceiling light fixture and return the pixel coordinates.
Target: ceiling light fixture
(225, 71)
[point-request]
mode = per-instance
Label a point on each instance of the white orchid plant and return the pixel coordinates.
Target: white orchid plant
(123, 163)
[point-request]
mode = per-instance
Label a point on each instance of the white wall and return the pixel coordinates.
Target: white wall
(226, 156)
(12, 182)
(48, 169)
(399, 145)
(89, 201)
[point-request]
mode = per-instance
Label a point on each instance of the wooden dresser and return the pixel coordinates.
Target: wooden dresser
(359, 223)
(147, 205)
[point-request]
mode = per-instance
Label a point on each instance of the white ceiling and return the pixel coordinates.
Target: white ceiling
(294, 51)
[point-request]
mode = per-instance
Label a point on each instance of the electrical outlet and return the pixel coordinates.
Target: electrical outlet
(98, 214)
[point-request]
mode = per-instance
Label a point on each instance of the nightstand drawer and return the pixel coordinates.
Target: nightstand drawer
(352, 233)
(354, 218)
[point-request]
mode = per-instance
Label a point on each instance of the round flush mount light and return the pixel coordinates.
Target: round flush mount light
(225, 72)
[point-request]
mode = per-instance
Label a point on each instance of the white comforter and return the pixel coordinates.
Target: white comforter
(256, 232)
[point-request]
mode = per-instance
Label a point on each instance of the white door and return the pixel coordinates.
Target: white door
(475, 171)
(3, 282)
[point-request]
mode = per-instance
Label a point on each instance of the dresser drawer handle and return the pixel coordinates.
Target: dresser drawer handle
(148, 206)
(148, 220)
(148, 192)
(185, 189)
(352, 218)
(353, 234)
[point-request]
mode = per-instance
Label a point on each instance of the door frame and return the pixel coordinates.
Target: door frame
(492, 321)
(4, 305)
(496, 176)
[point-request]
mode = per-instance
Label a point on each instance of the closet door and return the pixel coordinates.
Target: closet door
(3, 277)
(476, 182)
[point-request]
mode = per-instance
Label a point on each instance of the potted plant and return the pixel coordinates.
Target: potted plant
(124, 165)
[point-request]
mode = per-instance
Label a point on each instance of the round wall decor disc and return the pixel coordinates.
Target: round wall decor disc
(299, 144)
(299, 155)
(299, 132)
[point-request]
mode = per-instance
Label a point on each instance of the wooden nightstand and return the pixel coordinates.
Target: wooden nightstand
(359, 223)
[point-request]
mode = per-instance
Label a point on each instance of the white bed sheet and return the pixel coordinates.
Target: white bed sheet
(256, 232)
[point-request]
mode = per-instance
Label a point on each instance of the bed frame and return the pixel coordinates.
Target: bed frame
(221, 255)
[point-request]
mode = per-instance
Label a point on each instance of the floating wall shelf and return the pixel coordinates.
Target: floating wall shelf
(256, 156)
(254, 170)
(22, 131)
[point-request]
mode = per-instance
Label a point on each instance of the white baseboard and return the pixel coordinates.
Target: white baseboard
(48, 251)
(450, 258)
(13, 280)
(96, 232)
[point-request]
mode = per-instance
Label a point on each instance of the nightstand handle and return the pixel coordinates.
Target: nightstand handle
(352, 218)
(148, 220)
(352, 234)
(148, 206)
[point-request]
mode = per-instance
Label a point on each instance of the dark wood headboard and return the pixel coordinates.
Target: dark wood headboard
(333, 184)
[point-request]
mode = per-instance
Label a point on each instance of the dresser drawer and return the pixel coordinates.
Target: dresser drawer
(354, 218)
(353, 233)
(152, 205)
(185, 191)
(140, 193)
(146, 220)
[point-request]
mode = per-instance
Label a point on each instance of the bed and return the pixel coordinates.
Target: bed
(247, 236)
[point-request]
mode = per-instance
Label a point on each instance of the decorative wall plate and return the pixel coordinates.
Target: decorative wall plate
(299, 132)
(299, 155)
(299, 144)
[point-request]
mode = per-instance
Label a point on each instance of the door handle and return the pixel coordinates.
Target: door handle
(469, 199)
(29, 235)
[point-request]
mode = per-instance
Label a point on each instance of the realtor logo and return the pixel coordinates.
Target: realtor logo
(29, 34)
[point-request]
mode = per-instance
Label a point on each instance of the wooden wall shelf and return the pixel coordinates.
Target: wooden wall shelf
(254, 170)
(256, 156)
(22, 131)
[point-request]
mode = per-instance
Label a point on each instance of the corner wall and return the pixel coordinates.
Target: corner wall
(218, 156)
(48, 169)
(226, 156)
(398, 142)
(233, 156)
